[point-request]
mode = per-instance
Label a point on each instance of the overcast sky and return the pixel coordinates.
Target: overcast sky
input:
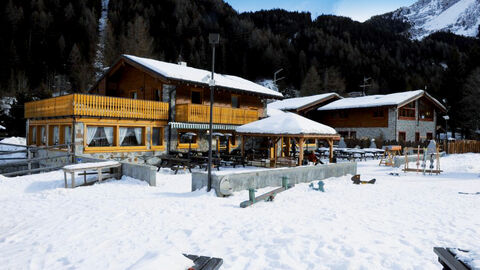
(359, 10)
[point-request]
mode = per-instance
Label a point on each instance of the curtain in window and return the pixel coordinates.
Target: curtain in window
(109, 134)
(34, 135)
(91, 131)
(122, 134)
(43, 136)
(138, 135)
(56, 135)
(68, 135)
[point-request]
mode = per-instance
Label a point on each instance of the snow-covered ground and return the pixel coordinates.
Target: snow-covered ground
(126, 224)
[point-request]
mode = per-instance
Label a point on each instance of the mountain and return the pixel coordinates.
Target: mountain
(461, 17)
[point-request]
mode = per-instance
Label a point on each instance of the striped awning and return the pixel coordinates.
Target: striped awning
(180, 125)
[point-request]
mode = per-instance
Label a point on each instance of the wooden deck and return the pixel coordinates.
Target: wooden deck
(195, 113)
(97, 106)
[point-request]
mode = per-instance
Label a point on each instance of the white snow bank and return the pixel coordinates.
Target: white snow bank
(287, 123)
(179, 72)
(124, 224)
(295, 103)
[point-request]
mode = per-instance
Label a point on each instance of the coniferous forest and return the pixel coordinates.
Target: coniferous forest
(49, 46)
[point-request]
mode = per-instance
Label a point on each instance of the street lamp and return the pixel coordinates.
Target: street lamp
(213, 39)
(446, 117)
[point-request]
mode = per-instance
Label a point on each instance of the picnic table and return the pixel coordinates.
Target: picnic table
(113, 166)
(174, 163)
(375, 153)
(448, 260)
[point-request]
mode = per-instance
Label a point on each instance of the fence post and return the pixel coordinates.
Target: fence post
(29, 157)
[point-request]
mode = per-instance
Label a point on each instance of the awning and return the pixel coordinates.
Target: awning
(180, 125)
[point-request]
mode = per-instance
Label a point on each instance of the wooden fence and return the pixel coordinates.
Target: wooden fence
(31, 162)
(461, 147)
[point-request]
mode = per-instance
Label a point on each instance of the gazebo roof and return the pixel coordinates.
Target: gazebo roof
(287, 124)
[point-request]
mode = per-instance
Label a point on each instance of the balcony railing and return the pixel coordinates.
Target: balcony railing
(221, 115)
(97, 106)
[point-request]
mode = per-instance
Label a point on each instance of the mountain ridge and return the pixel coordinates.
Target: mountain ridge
(461, 17)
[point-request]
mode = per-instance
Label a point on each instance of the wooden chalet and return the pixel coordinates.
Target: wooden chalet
(143, 105)
(404, 116)
(304, 106)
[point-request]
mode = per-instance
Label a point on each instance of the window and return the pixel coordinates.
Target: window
(187, 139)
(99, 136)
(425, 110)
(223, 141)
(235, 101)
(158, 95)
(196, 97)
(134, 95)
(157, 136)
(343, 134)
(131, 136)
(378, 112)
(67, 134)
(407, 111)
(33, 135)
(43, 135)
(429, 136)
(417, 136)
(402, 136)
(54, 135)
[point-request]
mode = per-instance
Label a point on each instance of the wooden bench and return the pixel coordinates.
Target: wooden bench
(93, 166)
(448, 260)
(204, 262)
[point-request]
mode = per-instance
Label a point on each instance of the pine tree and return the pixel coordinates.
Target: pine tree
(311, 83)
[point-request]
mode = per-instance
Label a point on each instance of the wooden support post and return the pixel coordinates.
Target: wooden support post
(300, 155)
(65, 178)
(243, 147)
(99, 175)
(288, 147)
(73, 179)
(84, 177)
(29, 157)
(330, 148)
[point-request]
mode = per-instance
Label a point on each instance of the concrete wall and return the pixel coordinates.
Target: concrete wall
(142, 172)
(225, 184)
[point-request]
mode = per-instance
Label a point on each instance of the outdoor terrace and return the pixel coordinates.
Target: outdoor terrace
(96, 106)
(194, 113)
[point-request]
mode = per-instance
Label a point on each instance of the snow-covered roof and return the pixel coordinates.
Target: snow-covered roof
(286, 123)
(273, 112)
(395, 99)
(200, 76)
(300, 102)
(2, 127)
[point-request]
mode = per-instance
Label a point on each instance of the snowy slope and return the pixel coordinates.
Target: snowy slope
(461, 17)
(126, 224)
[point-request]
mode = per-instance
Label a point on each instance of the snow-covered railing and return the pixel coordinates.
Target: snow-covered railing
(93, 105)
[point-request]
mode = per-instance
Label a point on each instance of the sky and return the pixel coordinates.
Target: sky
(359, 10)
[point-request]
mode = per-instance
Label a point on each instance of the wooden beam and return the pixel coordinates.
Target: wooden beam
(243, 147)
(330, 147)
(287, 150)
(300, 155)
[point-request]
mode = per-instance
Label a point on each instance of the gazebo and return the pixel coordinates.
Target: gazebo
(285, 127)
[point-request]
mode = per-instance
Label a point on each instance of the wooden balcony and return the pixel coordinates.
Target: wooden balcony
(194, 113)
(97, 106)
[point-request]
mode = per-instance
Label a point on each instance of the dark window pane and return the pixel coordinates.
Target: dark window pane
(157, 138)
(196, 97)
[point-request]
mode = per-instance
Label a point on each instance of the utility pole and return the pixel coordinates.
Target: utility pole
(214, 39)
(365, 85)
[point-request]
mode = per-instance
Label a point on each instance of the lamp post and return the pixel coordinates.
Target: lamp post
(446, 117)
(214, 39)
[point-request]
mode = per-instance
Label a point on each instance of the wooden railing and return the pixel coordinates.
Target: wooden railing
(221, 115)
(100, 106)
(461, 147)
